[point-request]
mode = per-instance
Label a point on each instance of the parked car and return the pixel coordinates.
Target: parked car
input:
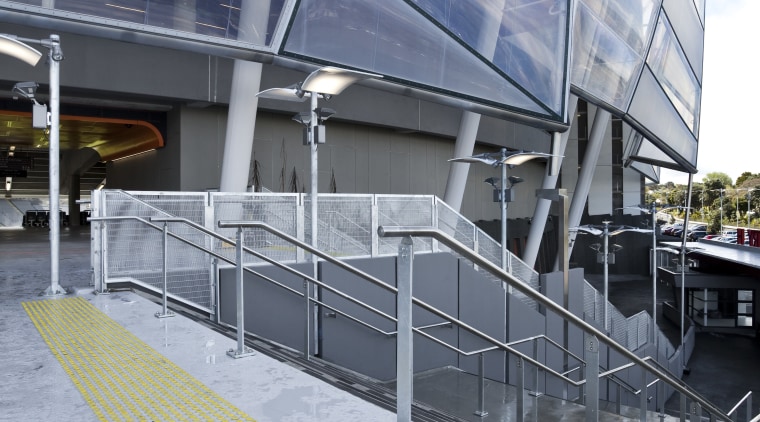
(694, 235)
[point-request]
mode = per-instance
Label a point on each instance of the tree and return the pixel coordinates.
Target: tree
(714, 176)
(745, 176)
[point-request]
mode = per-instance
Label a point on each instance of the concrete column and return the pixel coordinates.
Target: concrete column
(594, 147)
(541, 213)
(241, 120)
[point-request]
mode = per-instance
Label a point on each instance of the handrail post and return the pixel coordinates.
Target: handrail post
(643, 396)
(535, 392)
(661, 398)
(307, 325)
(481, 389)
(749, 406)
(166, 312)
(242, 351)
(404, 339)
(592, 379)
(695, 412)
(520, 387)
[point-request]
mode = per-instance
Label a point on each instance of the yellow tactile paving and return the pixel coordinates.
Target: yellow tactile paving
(121, 377)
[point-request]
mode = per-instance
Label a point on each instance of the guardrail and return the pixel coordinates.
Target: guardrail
(591, 343)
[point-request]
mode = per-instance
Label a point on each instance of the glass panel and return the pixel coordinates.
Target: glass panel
(651, 109)
(609, 43)
(524, 38)
(669, 65)
(744, 321)
(745, 295)
(689, 30)
(394, 39)
(631, 20)
(213, 18)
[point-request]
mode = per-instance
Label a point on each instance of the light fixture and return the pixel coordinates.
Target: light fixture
(11, 46)
(26, 90)
(322, 83)
(501, 194)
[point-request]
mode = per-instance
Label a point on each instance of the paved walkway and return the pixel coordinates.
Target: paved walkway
(86, 357)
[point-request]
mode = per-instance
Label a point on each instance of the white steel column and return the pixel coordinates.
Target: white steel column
(464, 146)
(241, 118)
(469, 122)
(593, 148)
(541, 213)
(241, 122)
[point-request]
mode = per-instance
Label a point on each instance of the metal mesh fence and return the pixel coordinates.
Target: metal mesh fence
(280, 211)
(135, 250)
(347, 224)
(396, 210)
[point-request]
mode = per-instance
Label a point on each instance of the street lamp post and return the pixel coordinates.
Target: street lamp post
(17, 47)
(322, 83)
(605, 256)
(503, 158)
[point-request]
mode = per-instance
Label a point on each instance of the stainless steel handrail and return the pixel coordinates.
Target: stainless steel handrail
(449, 241)
(471, 255)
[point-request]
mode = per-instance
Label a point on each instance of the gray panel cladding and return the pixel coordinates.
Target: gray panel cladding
(482, 304)
(348, 343)
(436, 282)
(271, 312)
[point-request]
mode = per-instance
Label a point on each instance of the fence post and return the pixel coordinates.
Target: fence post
(242, 351)
(307, 327)
(643, 396)
(404, 340)
(166, 312)
(592, 379)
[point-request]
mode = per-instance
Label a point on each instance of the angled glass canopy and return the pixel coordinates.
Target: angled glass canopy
(408, 43)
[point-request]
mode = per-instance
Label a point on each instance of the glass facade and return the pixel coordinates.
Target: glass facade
(640, 59)
(509, 54)
(672, 70)
(610, 41)
(248, 21)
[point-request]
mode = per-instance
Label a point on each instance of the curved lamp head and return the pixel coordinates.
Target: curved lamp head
(333, 80)
(515, 180)
(19, 50)
(510, 158)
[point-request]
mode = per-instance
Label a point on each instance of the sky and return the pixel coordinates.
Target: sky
(728, 140)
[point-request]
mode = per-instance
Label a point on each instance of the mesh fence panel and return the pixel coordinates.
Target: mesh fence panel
(345, 224)
(593, 304)
(277, 210)
(394, 210)
(135, 250)
(618, 326)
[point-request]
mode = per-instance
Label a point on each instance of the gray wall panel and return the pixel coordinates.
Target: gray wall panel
(270, 311)
(525, 322)
(552, 287)
(349, 344)
(482, 304)
(435, 283)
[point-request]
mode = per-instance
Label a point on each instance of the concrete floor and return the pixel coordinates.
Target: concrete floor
(35, 387)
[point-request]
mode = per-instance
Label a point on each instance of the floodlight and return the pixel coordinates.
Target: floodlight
(515, 180)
